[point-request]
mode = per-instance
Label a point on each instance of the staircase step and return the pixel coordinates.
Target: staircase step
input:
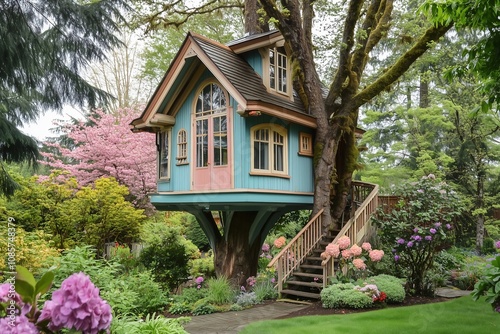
(310, 266)
(309, 295)
(308, 284)
(314, 258)
(310, 275)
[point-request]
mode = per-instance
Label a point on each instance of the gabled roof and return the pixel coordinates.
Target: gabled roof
(231, 70)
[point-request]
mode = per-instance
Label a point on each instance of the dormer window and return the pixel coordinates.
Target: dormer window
(278, 70)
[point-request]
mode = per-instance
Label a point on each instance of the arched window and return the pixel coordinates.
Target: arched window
(182, 147)
(269, 149)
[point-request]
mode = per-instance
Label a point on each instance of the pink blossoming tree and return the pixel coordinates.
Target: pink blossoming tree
(105, 146)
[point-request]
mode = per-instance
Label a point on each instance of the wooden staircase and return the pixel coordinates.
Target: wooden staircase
(302, 273)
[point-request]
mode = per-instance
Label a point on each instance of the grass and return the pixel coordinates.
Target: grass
(461, 316)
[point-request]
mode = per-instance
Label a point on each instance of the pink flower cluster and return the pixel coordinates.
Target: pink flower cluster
(77, 305)
(341, 247)
(280, 242)
(20, 325)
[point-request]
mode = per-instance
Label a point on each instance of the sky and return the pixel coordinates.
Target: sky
(41, 128)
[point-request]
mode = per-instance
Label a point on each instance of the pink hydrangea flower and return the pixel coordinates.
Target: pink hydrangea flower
(280, 242)
(5, 290)
(346, 254)
(77, 305)
(356, 250)
(497, 244)
(21, 325)
(265, 247)
(366, 246)
(199, 280)
(376, 255)
(333, 249)
(359, 264)
(344, 242)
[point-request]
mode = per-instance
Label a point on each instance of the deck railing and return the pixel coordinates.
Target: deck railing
(358, 225)
(293, 254)
(364, 196)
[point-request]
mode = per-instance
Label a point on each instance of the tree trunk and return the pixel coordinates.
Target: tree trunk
(480, 217)
(235, 258)
(253, 24)
(424, 90)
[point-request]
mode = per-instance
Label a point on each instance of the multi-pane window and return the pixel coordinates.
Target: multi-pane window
(182, 147)
(305, 144)
(278, 70)
(164, 154)
(211, 120)
(269, 149)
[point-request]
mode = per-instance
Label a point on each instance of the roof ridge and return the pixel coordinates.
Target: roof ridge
(208, 40)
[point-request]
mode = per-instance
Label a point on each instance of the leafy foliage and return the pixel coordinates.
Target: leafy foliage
(344, 295)
(45, 45)
(152, 324)
(167, 254)
(489, 285)
(105, 147)
(419, 227)
(392, 286)
(220, 291)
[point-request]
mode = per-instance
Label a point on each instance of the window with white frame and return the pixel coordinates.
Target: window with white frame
(269, 149)
(182, 147)
(163, 143)
(278, 70)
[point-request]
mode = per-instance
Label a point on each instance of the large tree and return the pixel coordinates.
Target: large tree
(104, 146)
(349, 48)
(365, 25)
(44, 45)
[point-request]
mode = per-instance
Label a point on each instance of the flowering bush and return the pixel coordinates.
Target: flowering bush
(352, 259)
(419, 227)
(489, 285)
(280, 242)
(391, 286)
(345, 295)
(75, 306)
(497, 245)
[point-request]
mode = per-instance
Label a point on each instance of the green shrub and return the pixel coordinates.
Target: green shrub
(392, 286)
(245, 299)
(203, 266)
(220, 291)
(203, 307)
(180, 307)
(167, 259)
(344, 295)
(152, 324)
(150, 296)
(235, 307)
(264, 290)
(489, 285)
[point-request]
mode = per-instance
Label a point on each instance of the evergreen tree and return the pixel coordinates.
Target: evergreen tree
(44, 46)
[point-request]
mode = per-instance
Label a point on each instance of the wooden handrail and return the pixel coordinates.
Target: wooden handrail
(356, 227)
(293, 254)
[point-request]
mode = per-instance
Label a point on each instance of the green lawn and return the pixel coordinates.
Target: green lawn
(457, 316)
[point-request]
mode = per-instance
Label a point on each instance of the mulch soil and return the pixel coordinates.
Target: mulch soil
(316, 308)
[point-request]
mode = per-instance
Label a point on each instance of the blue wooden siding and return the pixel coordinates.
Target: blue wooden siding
(300, 168)
(254, 59)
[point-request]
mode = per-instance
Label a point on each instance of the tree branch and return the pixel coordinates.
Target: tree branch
(400, 67)
(346, 47)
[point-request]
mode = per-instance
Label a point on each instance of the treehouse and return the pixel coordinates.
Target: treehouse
(234, 138)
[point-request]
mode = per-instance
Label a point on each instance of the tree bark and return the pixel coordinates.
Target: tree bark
(235, 258)
(253, 24)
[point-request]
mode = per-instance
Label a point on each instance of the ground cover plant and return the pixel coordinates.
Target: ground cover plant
(454, 316)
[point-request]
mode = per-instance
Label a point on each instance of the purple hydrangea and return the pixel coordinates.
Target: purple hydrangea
(265, 247)
(433, 231)
(396, 258)
(400, 241)
(20, 325)
(428, 237)
(416, 237)
(437, 225)
(77, 305)
(415, 230)
(497, 244)
(199, 280)
(448, 226)
(409, 244)
(5, 288)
